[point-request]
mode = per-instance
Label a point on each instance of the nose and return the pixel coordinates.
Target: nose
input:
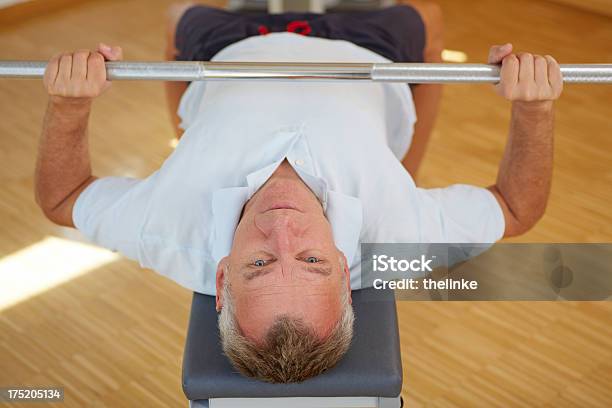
(281, 227)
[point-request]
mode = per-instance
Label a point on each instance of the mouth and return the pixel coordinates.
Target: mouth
(283, 206)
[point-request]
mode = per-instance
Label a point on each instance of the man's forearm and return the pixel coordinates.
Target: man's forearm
(525, 172)
(63, 167)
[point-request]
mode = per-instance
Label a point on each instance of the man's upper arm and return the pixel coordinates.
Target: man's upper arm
(110, 212)
(461, 214)
(513, 226)
(62, 213)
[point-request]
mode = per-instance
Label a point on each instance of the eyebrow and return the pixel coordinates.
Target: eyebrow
(250, 274)
(324, 270)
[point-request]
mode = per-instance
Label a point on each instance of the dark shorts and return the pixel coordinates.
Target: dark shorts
(397, 32)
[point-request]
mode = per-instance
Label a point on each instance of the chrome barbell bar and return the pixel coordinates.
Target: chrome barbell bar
(379, 72)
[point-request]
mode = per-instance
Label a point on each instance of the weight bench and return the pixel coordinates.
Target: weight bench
(368, 376)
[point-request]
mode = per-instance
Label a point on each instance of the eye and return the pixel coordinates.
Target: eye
(259, 262)
(312, 259)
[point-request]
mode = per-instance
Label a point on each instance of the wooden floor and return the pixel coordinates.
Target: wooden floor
(114, 336)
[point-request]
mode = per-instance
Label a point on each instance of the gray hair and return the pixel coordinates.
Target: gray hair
(291, 350)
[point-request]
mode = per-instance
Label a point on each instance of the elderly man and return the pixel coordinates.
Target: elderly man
(273, 185)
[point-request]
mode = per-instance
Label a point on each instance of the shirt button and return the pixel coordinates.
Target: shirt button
(299, 162)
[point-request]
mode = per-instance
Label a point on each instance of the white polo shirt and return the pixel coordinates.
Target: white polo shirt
(345, 140)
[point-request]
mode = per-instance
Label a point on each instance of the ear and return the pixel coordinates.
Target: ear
(347, 275)
(221, 267)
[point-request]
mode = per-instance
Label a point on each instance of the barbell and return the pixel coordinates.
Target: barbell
(379, 72)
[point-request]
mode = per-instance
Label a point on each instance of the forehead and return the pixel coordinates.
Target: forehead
(317, 305)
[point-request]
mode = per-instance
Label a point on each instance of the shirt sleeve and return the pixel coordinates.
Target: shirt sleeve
(110, 213)
(460, 214)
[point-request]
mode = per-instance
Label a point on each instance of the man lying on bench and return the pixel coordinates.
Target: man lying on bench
(273, 185)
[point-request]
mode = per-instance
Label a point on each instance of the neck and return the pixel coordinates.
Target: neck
(284, 181)
(285, 171)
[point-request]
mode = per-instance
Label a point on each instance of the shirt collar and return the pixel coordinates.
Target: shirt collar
(297, 152)
(343, 212)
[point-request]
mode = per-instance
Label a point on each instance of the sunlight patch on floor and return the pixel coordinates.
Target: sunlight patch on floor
(46, 264)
